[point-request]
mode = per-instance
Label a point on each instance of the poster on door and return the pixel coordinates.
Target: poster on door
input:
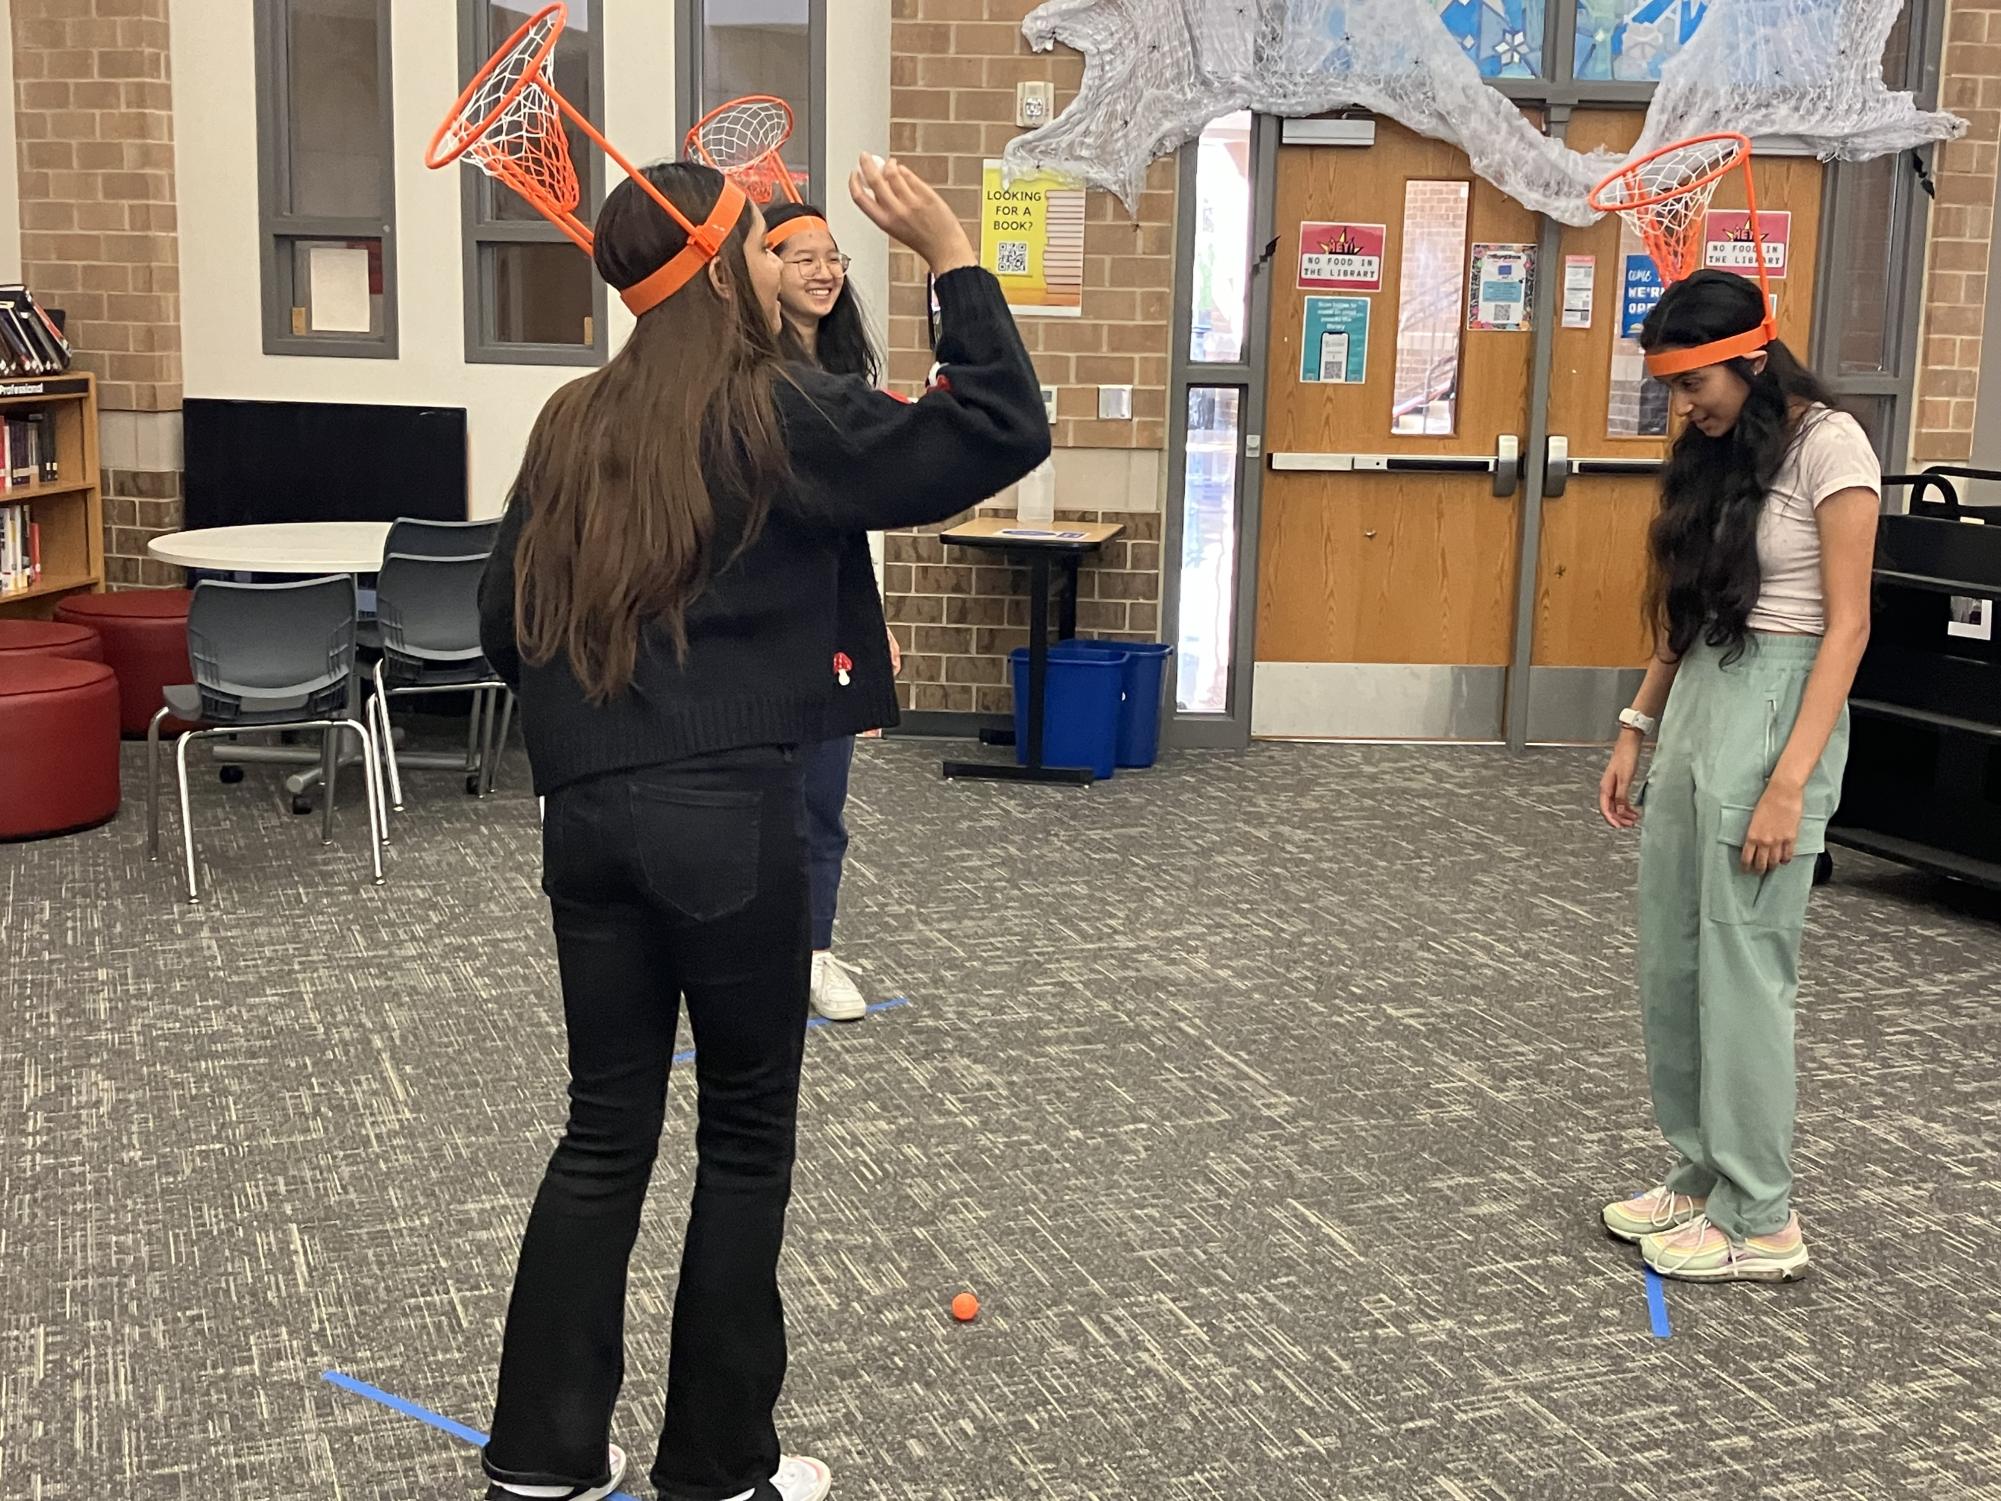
(1341, 257)
(1640, 289)
(1032, 239)
(1727, 242)
(1334, 343)
(1580, 289)
(1503, 287)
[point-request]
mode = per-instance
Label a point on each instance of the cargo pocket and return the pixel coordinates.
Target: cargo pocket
(1776, 899)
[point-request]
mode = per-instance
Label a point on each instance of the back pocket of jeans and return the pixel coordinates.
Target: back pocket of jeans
(698, 847)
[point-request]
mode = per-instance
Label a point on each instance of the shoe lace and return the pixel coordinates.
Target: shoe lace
(1692, 1235)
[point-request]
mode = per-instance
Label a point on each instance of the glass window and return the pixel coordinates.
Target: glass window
(1222, 268)
(326, 163)
(764, 47)
(1208, 594)
(1503, 36)
(531, 296)
(1431, 300)
(1617, 40)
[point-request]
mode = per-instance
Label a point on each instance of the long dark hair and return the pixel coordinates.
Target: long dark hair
(842, 345)
(1703, 544)
(625, 468)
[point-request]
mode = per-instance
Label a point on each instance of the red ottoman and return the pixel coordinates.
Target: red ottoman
(59, 743)
(20, 639)
(145, 635)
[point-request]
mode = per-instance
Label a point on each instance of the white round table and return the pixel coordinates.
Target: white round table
(279, 547)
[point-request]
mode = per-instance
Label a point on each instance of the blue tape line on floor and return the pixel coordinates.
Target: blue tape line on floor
(1657, 1304)
(818, 1022)
(423, 1415)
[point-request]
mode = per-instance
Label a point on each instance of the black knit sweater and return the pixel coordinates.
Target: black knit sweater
(762, 635)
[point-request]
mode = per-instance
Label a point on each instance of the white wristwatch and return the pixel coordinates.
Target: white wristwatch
(1633, 719)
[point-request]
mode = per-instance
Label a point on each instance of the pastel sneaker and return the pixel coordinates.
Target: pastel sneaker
(1699, 1252)
(1654, 1212)
(803, 1479)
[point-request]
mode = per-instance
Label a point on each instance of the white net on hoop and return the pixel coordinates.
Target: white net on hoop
(1666, 198)
(1157, 71)
(742, 142)
(523, 144)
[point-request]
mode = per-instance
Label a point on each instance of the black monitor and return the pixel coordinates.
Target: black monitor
(264, 461)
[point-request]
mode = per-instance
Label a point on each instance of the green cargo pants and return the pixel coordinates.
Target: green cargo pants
(1719, 949)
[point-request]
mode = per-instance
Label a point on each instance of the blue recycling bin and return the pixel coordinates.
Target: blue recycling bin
(1082, 696)
(1145, 665)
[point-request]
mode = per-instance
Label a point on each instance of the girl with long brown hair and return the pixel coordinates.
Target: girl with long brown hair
(663, 596)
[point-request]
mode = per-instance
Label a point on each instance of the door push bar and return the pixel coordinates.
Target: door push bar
(1505, 464)
(1559, 466)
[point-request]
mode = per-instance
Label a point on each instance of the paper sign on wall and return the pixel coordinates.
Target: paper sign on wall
(1580, 289)
(1334, 343)
(1032, 239)
(1503, 286)
(337, 290)
(1727, 242)
(1341, 257)
(1640, 290)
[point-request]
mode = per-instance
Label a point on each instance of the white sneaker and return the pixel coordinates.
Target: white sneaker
(835, 995)
(802, 1479)
(498, 1492)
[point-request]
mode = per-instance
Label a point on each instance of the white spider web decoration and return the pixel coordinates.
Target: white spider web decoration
(1157, 71)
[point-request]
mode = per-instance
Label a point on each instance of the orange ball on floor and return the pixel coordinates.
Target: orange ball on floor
(965, 1308)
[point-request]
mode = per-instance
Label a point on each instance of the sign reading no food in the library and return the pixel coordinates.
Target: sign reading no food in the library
(1341, 257)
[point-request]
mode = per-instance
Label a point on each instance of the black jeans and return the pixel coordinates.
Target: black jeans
(687, 879)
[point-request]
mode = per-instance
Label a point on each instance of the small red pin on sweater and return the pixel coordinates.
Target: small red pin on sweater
(842, 667)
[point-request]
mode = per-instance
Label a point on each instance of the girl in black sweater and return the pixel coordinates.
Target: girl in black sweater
(663, 597)
(821, 324)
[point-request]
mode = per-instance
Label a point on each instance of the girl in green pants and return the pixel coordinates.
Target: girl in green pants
(1759, 599)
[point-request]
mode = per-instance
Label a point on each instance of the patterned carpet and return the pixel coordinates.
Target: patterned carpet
(1266, 1101)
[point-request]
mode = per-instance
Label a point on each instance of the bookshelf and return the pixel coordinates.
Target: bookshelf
(70, 510)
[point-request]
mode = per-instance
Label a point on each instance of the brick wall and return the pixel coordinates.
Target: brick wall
(953, 69)
(1962, 224)
(93, 112)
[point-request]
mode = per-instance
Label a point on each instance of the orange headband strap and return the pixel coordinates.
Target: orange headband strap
(703, 245)
(803, 224)
(1736, 347)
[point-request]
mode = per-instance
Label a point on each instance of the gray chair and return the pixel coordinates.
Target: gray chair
(267, 657)
(427, 609)
(410, 537)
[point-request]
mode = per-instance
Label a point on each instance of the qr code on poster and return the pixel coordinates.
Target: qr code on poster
(1011, 258)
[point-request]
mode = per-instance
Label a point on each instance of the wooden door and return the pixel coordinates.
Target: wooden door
(1386, 563)
(1591, 565)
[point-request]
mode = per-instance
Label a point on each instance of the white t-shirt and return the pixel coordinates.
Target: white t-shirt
(1831, 454)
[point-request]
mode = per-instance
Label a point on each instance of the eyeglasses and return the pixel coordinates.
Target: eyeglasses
(814, 262)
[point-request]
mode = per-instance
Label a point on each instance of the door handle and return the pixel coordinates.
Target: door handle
(1556, 467)
(1507, 466)
(1504, 464)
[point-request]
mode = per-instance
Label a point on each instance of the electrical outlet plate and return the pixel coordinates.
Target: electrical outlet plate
(1033, 100)
(1115, 403)
(1049, 401)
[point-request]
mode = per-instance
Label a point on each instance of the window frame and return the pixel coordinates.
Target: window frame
(479, 233)
(690, 26)
(276, 224)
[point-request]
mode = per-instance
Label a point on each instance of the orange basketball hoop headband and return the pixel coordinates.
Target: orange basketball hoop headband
(741, 140)
(1665, 196)
(509, 123)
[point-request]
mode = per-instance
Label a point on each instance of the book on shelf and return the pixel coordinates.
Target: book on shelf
(28, 451)
(33, 344)
(20, 549)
